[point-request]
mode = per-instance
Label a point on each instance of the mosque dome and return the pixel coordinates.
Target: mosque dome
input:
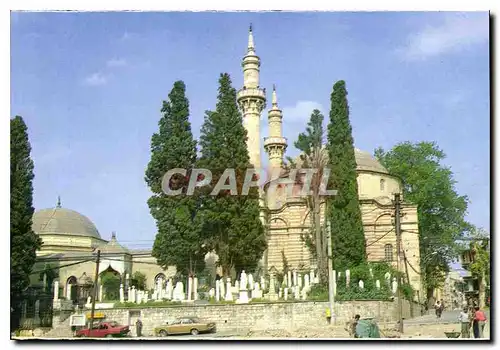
(365, 161)
(62, 221)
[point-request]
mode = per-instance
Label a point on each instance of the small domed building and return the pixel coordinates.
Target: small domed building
(69, 252)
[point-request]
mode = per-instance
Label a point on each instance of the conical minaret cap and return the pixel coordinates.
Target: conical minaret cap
(251, 45)
(275, 97)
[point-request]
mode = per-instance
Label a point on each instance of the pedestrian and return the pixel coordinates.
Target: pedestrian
(354, 325)
(328, 314)
(464, 320)
(138, 327)
(438, 309)
(351, 325)
(480, 320)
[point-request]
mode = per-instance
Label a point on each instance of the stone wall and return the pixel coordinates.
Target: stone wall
(258, 316)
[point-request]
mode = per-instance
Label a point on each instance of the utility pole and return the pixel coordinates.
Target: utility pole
(397, 221)
(331, 296)
(96, 278)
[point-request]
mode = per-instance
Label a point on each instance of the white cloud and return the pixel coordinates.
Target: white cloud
(96, 79)
(457, 32)
(301, 111)
(116, 62)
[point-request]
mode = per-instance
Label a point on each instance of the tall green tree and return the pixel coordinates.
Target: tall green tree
(232, 221)
(343, 209)
(23, 241)
(179, 240)
(313, 156)
(480, 266)
(441, 211)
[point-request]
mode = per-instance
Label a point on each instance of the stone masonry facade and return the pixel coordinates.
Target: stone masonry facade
(258, 316)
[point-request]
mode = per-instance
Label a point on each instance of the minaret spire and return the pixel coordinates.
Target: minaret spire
(251, 46)
(252, 100)
(274, 98)
(275, 145)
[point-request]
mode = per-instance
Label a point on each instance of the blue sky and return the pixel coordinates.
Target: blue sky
(90, 87)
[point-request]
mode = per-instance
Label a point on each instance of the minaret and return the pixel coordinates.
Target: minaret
(275, 145)
(252, 100)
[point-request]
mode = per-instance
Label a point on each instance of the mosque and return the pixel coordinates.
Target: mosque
(70, 237)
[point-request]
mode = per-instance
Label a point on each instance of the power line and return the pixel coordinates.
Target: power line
(378, 239)
(60, 267)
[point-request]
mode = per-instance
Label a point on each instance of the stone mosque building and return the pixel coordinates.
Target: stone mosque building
(69, 237)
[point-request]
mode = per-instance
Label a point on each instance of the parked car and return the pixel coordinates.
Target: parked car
(105, 330)
(185, 325)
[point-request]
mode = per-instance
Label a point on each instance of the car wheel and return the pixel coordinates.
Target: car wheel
(194, 331)
(163, 333)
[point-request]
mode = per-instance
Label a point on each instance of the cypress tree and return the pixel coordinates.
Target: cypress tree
(344, 211)
(179, 240)
(24, 242)
(236, 233)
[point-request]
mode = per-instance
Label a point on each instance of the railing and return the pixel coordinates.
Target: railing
(251, 92)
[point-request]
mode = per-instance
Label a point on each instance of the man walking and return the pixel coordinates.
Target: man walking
(328, 314)
(351, 325)
(464, 320)
(438, 309)
(138, 327)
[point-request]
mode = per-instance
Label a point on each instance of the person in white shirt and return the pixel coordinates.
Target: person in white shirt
(464, 320)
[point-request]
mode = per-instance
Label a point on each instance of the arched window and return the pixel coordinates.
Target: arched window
(382, 185)
(388, 252)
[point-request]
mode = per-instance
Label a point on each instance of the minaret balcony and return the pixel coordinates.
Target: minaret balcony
(251, 93)
(268, 141)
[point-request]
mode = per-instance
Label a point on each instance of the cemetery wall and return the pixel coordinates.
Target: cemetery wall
(259, 316)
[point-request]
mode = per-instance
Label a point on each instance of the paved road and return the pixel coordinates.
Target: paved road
(446, 317)
(218, 335)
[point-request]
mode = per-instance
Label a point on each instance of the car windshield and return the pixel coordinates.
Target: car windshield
(113, 324)
(195, 320)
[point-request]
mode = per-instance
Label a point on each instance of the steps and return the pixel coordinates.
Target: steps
(62, 330)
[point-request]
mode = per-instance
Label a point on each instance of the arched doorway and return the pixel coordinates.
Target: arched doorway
(160, 280)
(110, 282)
(72, 289)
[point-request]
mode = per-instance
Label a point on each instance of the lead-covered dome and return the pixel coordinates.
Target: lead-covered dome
(365, 161)
(62, 221)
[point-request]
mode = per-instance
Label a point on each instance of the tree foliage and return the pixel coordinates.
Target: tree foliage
(179, 240)
(480, 266)
(313, 156)
(343, 209)
(370, 290)
(139, 280)
(24, 242)
(111, 282)
(441, 211)
(232, 221)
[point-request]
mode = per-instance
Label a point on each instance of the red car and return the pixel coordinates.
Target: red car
(105, 330)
